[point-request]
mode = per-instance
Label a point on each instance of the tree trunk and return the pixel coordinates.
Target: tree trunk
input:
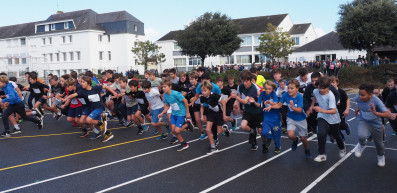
(145, 66)
(202, 61)
(369, 50)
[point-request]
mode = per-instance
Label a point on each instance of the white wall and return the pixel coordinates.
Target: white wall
(307, 56)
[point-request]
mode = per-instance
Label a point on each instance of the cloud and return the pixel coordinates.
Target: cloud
(152, 34)
(319, 32)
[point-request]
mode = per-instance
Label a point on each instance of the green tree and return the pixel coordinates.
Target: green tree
(211, 34)
(275, 43)
(366, 24)
(148, 52)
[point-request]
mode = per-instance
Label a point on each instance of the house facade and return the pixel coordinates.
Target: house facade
(80, 40)
(250, 30)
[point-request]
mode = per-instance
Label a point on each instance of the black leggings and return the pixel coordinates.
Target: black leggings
(16, 108)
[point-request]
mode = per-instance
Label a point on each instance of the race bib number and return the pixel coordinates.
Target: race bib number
(174, 107)
(82, 101)
(36, 90)
(224, 97)
(74, 102)
(140, 101)
(94, 98)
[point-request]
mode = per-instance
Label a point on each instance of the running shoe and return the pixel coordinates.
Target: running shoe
(308, 155)
(140, 131)
(212, 151)
(5, 134)
(183, 146)
(359, 150)
(277, 150)
(393, 133)
(95, 136)
(227, 131)
(190, 124)
(381, 161)
(167, 126)
(84, 133)
(107, 137)
(41, 124)
(294, 144)
(145, 127)
(174, 140)
(58, 116)
(15, 131)
(254, 147)
(162, 137)
(203, 136)
(266, 145)
(321, 158)
(342, 152)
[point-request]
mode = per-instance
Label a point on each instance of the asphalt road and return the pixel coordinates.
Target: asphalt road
(55, 159)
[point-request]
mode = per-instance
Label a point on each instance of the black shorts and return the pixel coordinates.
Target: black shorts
(206, 110)
(254, 120)
(229, 109)
(215, 117)
(41, 100)
(143, 109)
(196, 108)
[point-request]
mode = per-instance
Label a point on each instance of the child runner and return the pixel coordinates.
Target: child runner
(196, 106)
(143, 106)
(180, 109)
(328, 118)
(371, 110)
(225, 97)
(296, 118)
(281, 89)
(343, 106)
(271, 128)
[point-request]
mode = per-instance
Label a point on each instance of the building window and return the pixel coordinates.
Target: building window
(244, 59)
(53, 27)
(50, 41)
(10, 61)
(66, 25)
(44, 57)
(43, 41)
(16, 60)
(57, 56)
(70, 39)
(296, 40)
(23, 41)
(64, 56)
(40, 28)
(256, 40)
(23, 60)
(51, 58)
(100, 55)
(110, 55)
(180, 61)
(227, 60)
(176, 47)
(63, 39)
(78, 55)
(108, 38)
(71, 56)
(247, 40)
(135, 27)
(100, 38)
(194, 61)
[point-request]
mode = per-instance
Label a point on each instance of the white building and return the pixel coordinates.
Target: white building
(250, 30)
(323, 48)
(80, 40)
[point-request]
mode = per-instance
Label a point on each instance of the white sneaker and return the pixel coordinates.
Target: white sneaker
(359, 150)
(321, 158)
(381, 161)
(342, 152)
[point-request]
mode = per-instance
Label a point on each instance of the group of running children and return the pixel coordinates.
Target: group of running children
(311, 103)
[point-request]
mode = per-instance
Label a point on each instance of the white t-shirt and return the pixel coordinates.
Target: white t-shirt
(280, 92)
(154, 98)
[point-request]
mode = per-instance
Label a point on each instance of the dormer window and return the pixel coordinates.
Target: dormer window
(66, 25)
(53, 27)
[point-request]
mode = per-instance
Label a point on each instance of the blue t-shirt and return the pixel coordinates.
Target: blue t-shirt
(368, 116)
(327, 102)
(273, 115)
(298, 102)
(93, 97)
(175, 100)
(215, 89)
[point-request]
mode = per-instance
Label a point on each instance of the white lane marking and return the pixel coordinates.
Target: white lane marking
(352, 109)
(351, 119)
(315, 182)
(250, 169)
(93, 168)
(166, 169)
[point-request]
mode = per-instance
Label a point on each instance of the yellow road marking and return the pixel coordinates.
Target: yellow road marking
(72, 154)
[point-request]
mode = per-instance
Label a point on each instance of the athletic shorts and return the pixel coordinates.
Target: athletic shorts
(132, 110)
(254, 120)
(144, 109)
(96, 114)
(155, 114)
(300, 127)
(229, 109)
(215, 117)
(41, 100)
(74, 112)
(206, 110)
(85, 111)
(196, 108)
(178, 121)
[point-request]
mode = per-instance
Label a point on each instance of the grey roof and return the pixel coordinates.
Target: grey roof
(169, 36)
(116, 16)
(247, 25)
(329, 41)
(258, 24)
(299, 28)
(83, 20)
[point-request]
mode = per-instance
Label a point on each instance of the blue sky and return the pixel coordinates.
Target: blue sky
(160, 17)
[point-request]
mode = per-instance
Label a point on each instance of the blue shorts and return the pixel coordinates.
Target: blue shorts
(96, 114)
(178, 121)
(155, 115)
(132, 110)
(74, 112)
(85, 111)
